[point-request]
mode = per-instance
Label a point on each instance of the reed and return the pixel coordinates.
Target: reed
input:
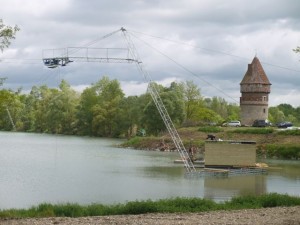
(174, 205)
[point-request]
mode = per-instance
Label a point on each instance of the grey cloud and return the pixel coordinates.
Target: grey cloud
(222, 38)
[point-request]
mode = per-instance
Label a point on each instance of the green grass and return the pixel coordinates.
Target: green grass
(287, 151)
(173, 205)
(140, 142)
(253, 131)
(210, 129)
(289, 132)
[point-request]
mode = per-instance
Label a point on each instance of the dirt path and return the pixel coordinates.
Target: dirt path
(268, 216)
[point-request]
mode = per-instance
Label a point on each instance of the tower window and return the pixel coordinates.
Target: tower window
(264, 110)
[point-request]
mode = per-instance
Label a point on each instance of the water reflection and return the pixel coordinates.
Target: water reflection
(36, 168)
(225, 188)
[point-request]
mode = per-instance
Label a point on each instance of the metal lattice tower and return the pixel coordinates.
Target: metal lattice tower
(62, 57)
(10, 119)
(160, 106)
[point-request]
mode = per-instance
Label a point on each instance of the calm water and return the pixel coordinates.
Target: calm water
(37, 168)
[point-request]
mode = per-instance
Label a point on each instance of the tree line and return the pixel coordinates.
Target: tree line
(103, 109)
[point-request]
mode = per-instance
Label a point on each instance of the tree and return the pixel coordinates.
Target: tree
(173, 101)
(6, 34)
(10, 108)
(297, 50)
(206, 115)
(68, 100)
(192, 98)
(275, 115)
(99, 109)
(287, 109)
(131, 113)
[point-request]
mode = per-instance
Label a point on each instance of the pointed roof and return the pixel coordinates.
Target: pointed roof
(255, 74)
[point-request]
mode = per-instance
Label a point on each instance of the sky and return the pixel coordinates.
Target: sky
(209, 42)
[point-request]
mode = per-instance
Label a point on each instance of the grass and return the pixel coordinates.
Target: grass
(155, 142)
(289, 132)
(174, 205)
(253, 131)
(286, 151)
(141, 142)
(210, 129)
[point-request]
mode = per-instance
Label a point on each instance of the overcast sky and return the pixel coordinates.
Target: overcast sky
(207, 41)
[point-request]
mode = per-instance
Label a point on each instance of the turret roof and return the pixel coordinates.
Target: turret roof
(255, 74)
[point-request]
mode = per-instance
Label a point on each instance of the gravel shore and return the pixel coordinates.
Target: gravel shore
(266, 216)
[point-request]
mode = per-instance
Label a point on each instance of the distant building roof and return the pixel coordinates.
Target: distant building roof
(255, 74)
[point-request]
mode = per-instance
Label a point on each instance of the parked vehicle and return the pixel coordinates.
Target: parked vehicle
(261, 123)
(235, 123)
(284, 125)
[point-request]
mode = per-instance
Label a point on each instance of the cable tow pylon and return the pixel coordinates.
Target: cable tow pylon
(65, 56)
(189, 166)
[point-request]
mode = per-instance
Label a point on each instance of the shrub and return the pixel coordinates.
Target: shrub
(253, 131)
(210, 129)
(163, 206)
(289, 132)
(288, 151)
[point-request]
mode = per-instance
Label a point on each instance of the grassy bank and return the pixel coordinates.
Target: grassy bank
(161, 206)
(271, 142)
(287, 151)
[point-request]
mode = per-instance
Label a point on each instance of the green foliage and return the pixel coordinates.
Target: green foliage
(253, 131)
(276, 115)
(289, 132)
(210, 129)
(173, 102)
(133, 142)
(192, 99)
(173, 205)
(141, 142)
(284, 112)
(103, 110)
(262, 201)
(139, 207)
(6, 34)
(206, 115)
(287, 151)
(99, 109)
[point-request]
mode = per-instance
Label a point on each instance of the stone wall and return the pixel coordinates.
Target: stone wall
(249, 113)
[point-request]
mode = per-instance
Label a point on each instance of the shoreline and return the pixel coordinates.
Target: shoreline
(264, 216)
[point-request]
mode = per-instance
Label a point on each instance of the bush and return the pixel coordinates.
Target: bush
(288, 151)
(289, 132)
(253, 131)
(161, 206)
(210, 129)
(262, 201)
(140, 142)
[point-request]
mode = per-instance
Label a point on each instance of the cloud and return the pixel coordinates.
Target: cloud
(212, 42)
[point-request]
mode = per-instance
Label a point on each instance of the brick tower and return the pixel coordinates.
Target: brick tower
(255, 90)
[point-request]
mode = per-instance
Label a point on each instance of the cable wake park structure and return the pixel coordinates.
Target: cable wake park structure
(53, 58)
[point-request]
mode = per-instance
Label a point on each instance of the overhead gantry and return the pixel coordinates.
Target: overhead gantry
(53, 58)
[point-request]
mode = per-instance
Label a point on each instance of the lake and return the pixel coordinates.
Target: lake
(39, 168)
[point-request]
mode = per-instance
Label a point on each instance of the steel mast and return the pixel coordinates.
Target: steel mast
(160, 106)
(66, 55)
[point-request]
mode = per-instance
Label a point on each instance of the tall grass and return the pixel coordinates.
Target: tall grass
(140, 142)
(173, 205)
(253, 130)
(210, 129)
(286, 151)
(289, 132)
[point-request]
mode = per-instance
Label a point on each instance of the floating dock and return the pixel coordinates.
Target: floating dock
(228, 158)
